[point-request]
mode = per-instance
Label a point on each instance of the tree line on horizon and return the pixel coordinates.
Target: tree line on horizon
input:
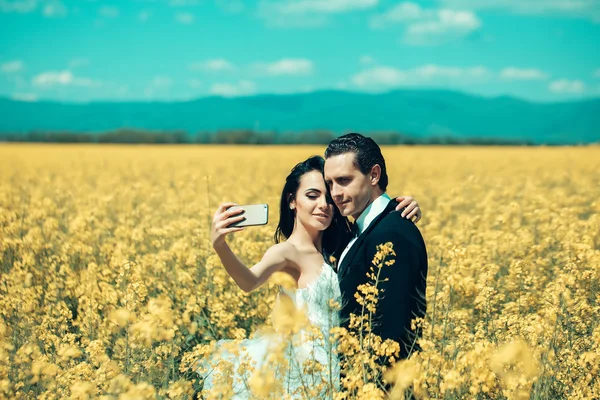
(241, 136)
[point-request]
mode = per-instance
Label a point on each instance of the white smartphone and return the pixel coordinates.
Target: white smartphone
(254, 214)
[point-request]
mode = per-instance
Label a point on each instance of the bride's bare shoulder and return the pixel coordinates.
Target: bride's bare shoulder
(286, 250)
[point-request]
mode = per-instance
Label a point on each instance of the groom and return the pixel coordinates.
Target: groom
(356, 174)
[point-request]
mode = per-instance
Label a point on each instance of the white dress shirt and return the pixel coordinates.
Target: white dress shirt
(365, 219)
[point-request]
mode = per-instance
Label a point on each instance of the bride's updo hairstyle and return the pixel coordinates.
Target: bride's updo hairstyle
(339, 228)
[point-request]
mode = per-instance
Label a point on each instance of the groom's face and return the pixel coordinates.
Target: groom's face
(350, 189)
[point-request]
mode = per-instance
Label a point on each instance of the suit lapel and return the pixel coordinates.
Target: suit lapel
(344, 266)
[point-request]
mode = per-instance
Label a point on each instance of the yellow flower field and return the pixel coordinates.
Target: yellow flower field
(109, 286)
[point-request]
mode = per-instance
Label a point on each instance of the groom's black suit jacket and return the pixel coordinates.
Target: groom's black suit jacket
(403, 296)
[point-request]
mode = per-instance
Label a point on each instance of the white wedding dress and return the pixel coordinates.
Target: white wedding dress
(303, 365)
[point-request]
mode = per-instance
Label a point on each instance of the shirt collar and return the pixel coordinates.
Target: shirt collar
(372, 211)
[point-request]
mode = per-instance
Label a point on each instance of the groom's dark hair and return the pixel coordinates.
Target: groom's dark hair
(367, 154)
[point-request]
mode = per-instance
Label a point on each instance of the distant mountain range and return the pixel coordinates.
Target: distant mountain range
(420, 113)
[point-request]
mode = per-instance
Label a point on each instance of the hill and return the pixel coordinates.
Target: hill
(420, 113)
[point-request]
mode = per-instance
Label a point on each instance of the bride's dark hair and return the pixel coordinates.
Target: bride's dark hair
(339, 229)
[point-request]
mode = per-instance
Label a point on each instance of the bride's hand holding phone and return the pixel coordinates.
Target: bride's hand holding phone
(223, 218)
(275, 258)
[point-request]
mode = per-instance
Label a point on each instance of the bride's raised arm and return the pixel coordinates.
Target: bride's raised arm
(247, 279)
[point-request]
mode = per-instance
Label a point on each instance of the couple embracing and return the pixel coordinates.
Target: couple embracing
(318, 196)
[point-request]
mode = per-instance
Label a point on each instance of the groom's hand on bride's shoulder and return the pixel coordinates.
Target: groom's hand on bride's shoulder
(409, 208)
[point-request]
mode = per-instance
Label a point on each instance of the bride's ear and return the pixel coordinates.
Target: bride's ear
(292, 203)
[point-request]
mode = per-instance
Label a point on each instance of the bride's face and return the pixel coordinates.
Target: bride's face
(311, 205)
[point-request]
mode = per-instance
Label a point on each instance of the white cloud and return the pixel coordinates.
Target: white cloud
(367, 60)
(122, 91)
(242, 88)
(436, 71)
(428, 26)
(143, 16)
(477, 72)
(161, 82)
(323, 6)
(288, 66)
(513, 73)
(194, 83)
(231, 6)
(109, 12)
(28, 97)
(18, 6)
(567, 86)
(386, 77)
(61, 78)
(54, 9)
(216, 64)
(158, 85)
(444, 21)
(403, 12)
(185, 18)
(380, 76)
(307, 13)
(11, 67)
(587, 9)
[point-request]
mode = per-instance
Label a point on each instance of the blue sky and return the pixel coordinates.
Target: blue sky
(170, 50)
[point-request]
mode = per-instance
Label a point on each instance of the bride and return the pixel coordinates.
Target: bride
(299, 360)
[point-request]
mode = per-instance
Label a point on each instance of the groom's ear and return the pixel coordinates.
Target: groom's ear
(375, 175)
